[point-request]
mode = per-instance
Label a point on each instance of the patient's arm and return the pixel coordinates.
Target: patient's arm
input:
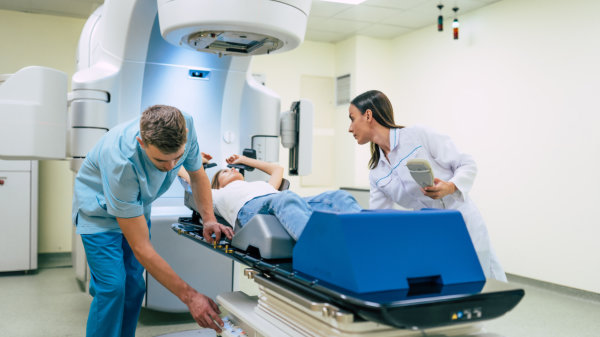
(185, 175)
(272, 169)
(205, 157)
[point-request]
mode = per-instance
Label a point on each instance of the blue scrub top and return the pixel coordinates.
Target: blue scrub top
(117, 179)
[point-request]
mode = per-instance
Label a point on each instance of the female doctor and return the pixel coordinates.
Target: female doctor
(372, 120)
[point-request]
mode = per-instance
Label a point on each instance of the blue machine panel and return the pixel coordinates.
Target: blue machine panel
(387, 250)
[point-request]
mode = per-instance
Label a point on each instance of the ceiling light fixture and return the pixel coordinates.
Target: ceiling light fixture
(455, 24)
(440, 18)
(349, 2)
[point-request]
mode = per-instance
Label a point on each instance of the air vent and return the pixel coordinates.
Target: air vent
(342, 90)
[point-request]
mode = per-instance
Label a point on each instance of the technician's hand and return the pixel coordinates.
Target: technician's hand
(236, 159)
(205, 312)
(216, 228)
(205, 157)
(439, 189)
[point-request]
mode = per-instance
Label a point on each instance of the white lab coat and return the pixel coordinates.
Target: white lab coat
(391, 183)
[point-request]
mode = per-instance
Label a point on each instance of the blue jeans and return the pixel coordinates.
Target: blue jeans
(293, 211)
(117, 285)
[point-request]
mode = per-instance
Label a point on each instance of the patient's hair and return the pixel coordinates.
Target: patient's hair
(163, 126)
(214, 184)
(383, 113)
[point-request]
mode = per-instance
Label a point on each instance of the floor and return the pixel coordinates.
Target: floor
(49, 302)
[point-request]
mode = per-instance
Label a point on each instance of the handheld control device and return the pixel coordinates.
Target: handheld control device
(421, 172)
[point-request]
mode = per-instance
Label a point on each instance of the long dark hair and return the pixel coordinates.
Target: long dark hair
(382, 111)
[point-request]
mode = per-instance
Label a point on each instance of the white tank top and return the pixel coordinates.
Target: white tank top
(230, 199)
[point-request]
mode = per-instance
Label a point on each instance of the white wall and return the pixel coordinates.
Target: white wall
(371, 72)
(51, 41)
(345, 153)
(519, 91)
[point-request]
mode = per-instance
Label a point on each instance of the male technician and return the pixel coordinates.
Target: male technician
(129, 168)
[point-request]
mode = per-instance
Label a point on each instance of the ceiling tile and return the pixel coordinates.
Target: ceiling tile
(398, 4)
(336, 25)
(426, 13)
(327, 9)
(328, 21)
(320, 36)
(429, 7)
(365, 14)
(381, 31)
(410, 20)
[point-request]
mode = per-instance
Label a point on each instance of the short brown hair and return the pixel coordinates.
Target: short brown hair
(163, 126)
(214, 184)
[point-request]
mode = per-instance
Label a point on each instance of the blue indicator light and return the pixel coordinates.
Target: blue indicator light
(202, 74)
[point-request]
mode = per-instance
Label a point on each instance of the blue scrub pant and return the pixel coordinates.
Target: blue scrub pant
(117, 285)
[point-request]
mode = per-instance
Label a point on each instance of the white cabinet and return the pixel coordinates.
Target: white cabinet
(18, 215)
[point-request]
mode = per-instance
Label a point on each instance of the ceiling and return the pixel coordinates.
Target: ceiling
(328, 21)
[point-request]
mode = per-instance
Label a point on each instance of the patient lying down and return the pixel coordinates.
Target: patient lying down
(236, 199)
